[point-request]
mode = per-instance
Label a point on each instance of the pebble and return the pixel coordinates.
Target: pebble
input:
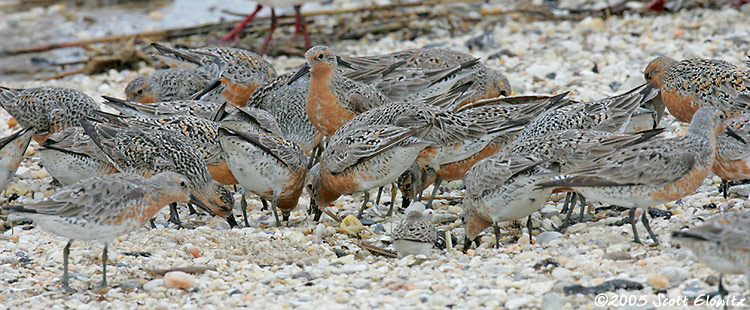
(347, 259)
(561, 273)
(547, 236)
(179, 279)
(194, 251)
(153, 284)
(516, 303)
(675, 274)
(657, 281)
(552, 301)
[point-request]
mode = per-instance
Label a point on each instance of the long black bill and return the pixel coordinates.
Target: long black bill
(300, 73)
(196, 201)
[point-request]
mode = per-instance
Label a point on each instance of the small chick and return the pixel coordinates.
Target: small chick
(416, 234)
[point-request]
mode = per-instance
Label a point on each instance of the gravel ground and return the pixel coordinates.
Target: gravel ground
(311, 265)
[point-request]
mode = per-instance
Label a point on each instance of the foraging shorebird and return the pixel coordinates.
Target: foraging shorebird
(732, 159)
(415, 235)
(105, 207)
(47, 109)
(612, 114)
(518, 108)
(690, 84)
(270, 166)
(142, 152)
(12, 149)
(242, 71)
(649, 173)
(722, 242)
(173, 84)
(70, 156)
(286, 101)
(503, 188)
(361, 159)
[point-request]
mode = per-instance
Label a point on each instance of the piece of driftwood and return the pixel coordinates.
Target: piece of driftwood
(188, 269)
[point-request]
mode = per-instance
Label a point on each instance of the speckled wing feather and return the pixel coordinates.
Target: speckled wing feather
(360, 97)
(199, 108)
(731, 148)
(521, 105)
(609, 114)
(578, 148)
(714, 82)
(415, 228)
(147, 153)
(248, 118)
(636, 165)
(408, 83)
(75, 140)
(285, 151)
(46, 108)
(444, 128)
(201, 132)
(364, 142)
(490, 172)
(4, 141)
(239, 66)
(259, 96)
(100, 197)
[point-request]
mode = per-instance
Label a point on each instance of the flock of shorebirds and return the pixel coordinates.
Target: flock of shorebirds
(341, 125)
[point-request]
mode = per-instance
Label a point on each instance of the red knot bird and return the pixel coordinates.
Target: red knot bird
(732, 159)
(242, 71)
(361, 159)
(252, 120)
(142, 152)
(722, 242)
(105, 207)
(503, 188)
(519, 108)
(612, 114)
(333, 98)
(47, 109)
(649, 173)
(415, 235)
(287, 103)
(574, 149)
(12, 149)
(270, 166)
(381, 69)
(690, 84)
(70, 156)
(203, 134)
(174, 84)
(456, 135)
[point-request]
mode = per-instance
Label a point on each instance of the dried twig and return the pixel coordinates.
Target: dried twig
(189, 269)
(377, 250)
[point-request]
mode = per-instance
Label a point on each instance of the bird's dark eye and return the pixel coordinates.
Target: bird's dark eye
(320, 56)
(183, 184)
(407, 186)
(140, 91)
(648, 75)
(503, 93)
